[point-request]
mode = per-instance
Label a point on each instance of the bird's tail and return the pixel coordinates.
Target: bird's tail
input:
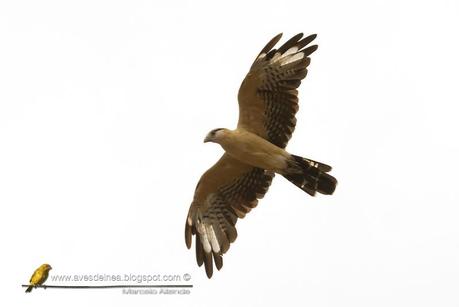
(29, 289)
(310, 176)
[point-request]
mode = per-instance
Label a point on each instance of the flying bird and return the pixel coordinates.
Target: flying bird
(254, 151)
(39, 276)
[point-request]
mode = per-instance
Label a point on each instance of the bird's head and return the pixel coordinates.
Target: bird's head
(46, 267)
(215, 135)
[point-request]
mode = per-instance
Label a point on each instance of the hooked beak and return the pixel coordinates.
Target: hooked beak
(207, 139)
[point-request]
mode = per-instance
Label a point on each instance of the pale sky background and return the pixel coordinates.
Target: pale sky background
(103, 109)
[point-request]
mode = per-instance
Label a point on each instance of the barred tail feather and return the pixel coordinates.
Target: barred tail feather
(311, 176)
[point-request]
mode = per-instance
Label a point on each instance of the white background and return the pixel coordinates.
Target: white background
(103, 109)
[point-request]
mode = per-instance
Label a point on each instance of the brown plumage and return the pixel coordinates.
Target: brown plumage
(254, 152)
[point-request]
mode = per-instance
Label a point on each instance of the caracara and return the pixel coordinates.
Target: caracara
(254, 151)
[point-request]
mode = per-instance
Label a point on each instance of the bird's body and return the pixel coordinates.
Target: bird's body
(249, 148)
(39, 276)
(254, 151)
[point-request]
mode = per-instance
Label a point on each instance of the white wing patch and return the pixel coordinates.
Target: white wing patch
(292, 50)
(287, 57)
(212, 238)
(208, 238)
(204, 238)
(261, 56)
(276, 57)
(291, 59)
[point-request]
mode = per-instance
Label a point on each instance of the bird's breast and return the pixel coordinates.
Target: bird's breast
(256, 151)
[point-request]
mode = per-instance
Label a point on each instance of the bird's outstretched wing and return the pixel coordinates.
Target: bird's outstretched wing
(268, 99)
(226, 192)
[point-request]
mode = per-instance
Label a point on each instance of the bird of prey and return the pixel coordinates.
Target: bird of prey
(254, 151)
(39, 276)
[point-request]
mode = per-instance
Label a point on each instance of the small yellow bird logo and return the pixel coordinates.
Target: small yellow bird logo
(39, 276)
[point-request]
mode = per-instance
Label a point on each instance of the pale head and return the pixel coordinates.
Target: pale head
(215, 135)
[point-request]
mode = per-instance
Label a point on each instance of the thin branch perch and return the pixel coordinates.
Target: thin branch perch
(110, 286)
